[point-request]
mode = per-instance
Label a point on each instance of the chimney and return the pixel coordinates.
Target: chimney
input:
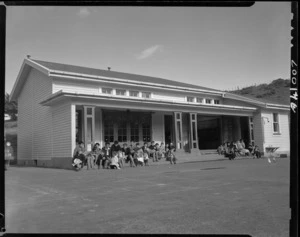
(28, 56)
(108, 68)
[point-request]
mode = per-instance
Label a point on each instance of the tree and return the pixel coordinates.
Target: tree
(11, 107)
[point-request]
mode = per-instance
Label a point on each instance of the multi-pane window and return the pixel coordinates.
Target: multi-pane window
(216, 102)
(120, 92)
(146, 132)
(190, 99)
(108, 131)
(208, 101)
(134, 93)
(134, 131)
(106, 90)
(199, 100)
(145, 94)
(275, 123)
(122, 131)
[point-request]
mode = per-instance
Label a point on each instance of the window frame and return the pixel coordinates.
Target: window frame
(146, 92)
(106, 88)
(190, 97)
(133, 95)
(277, 123)
(198, 98)
(209, 100)
(123, 90)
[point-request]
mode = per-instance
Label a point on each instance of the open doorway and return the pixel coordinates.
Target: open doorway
(209, 131)
(245, 133)
(168, 123)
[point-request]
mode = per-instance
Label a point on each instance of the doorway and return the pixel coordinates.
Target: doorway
(168, 123)
(245, 134)
(209, 131)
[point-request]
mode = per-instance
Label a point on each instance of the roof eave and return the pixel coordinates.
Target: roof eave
(60, 94)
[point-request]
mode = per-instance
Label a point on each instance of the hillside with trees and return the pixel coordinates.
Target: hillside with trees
(278, 91)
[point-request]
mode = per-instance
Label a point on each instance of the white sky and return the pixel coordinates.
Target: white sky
(220, 48)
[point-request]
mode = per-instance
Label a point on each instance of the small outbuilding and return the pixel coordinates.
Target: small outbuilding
(59, 104)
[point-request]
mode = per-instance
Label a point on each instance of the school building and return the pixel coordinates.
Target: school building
(59, 104)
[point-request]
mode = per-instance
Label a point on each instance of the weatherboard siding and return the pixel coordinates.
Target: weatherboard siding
(34, 120)
(42, 117)
(281, 140)
(227, 101)
(72, 86)
(25, 114)
(62, 130)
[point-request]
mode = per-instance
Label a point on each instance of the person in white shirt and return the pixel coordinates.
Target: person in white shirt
(114, 163)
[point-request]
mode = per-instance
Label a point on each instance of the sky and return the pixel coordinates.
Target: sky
(220, 48)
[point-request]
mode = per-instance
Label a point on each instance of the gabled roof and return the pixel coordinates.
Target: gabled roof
(115, 74)
(51, 67)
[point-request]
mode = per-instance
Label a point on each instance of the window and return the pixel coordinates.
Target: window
(120, 92)
(146, 131)
(208, 101)
(190, 99)
(134, 93)
(146, 94)
(275, 123)
(122, 131)
(108, 131)
(89, 111)
(134, 131)
(199, 100)
(106, 90)
(216, 102)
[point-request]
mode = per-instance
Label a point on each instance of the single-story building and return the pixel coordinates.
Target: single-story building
(59, 104)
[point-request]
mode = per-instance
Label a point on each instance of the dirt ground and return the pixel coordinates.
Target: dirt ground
(249, 196)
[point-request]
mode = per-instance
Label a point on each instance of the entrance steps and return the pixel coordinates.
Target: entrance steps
(209, 152)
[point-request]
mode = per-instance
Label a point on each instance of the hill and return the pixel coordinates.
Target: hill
(278, 91)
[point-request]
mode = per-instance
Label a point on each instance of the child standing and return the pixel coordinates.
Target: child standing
(121, 158)
(171, 154)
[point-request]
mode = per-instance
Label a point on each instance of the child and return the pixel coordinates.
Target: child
(106, 155)
(128, 155)
(146, 157)
(158, 153)
(162, 150)
(114, 163)
(139, 155)
(256, 152)
(167, 150)
(152, 151)
(172, 156)
(121, 158)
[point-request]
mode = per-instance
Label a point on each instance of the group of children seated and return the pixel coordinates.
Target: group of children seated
(238, 148)
(115, 156)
